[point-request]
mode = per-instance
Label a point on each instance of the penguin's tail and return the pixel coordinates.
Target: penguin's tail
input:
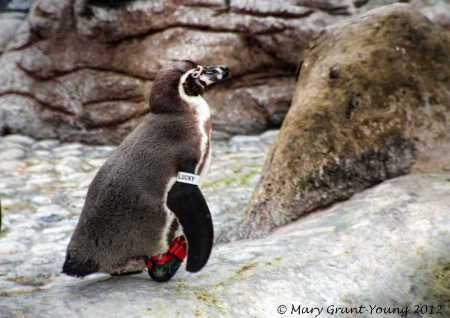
(73, 267)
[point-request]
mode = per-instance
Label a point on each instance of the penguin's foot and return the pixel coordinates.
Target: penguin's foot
(163, 267)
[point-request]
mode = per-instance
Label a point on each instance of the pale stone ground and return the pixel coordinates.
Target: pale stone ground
(385, 249)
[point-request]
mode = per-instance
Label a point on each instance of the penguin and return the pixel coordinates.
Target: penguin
(148, 189)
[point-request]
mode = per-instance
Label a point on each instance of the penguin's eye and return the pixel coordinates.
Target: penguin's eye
(196, 74)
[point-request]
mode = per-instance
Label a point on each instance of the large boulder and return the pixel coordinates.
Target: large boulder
(82, 70)
(372, 103)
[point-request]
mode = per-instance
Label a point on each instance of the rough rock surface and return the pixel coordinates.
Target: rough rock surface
(384, 250)
(372, 102)
(80, 72)
(86, 71)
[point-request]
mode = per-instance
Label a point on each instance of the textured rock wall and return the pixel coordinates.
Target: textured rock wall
(80, 70)
(372, 102)
(83, 72)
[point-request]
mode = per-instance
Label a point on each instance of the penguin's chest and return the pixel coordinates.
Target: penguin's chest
(202, 118)
(204, 169)
(204, 162)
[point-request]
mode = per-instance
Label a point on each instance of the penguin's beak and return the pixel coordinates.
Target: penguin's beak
(214, 73)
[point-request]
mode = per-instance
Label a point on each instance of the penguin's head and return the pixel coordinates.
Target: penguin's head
(196, 80)
(205, 76)
(191, 77)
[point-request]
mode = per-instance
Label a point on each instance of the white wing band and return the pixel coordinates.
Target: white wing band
(188, 178)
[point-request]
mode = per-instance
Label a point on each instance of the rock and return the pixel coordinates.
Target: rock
(10, 165)
(372, 103)
(241, 143)
(11, 154)
(83, 70)
(41, 200)
(19, 139)
(68, 165)
(68, 150)
(9, 248)
(43, 167)
(46, 144)
(269, 136)
(40, 180)
(336, 258)
(51, 209)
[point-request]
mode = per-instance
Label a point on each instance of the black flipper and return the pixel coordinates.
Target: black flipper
(189, 205)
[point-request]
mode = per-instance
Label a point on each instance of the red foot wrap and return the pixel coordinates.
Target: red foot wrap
(177, 249)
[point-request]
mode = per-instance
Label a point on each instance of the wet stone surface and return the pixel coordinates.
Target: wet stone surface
(43, 186)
